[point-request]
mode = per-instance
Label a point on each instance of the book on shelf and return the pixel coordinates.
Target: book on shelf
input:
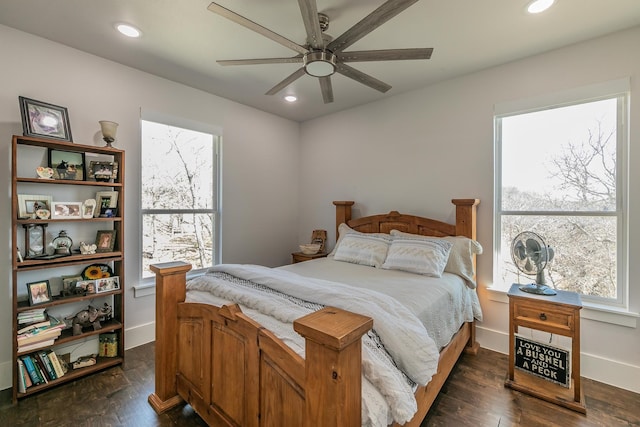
(46, 365)
(32, 370)
(29, 338)
(32, 316)
(36, 345)
(40, 369)
(57, 364)
(22, 377)
(33, 326)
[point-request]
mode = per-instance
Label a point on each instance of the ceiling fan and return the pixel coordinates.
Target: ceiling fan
(321, 57)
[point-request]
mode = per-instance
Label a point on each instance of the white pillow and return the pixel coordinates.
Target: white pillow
(460, 260)
(344, 229)
(362, 248)
(421, 256)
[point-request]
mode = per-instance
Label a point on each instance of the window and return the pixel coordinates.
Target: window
(560, 172)
(179, 174)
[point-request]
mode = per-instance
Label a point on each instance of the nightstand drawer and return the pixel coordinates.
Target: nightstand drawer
(544, 318)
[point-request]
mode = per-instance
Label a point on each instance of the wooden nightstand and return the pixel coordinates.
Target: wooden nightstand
(300, 257)
(558, 314)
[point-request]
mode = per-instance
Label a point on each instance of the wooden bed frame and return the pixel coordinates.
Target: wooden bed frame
(234, 372)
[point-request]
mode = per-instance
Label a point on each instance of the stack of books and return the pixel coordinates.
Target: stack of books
(32, 316)
(39, 368)
(39, 334)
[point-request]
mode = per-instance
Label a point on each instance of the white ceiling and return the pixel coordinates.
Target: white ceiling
(182, 40)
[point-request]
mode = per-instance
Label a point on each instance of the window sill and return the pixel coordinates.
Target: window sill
(591, 311)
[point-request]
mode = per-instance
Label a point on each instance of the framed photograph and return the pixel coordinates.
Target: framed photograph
(39, 292)
(107, 284)
(105, 200)
(67, 164)
(44, 120)
(103, 171)
(87, 286)
(88, 208)
(105, 240)
(66, 210)
(70, 285)
(28, 205)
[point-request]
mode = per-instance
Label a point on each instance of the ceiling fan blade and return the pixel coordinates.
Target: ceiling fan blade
(363, 78)
(385, 55)
(309, 11)
(327, 89)
(372, 21)
(259, 61)
(287, 81)
(238, 19)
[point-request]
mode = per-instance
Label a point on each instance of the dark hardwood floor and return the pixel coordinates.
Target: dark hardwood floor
(473, 395)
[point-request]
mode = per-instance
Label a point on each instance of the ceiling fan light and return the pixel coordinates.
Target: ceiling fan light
(320, 64)
(538, 6)
(290, 98)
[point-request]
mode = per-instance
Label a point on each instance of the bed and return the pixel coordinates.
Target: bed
(236, 368)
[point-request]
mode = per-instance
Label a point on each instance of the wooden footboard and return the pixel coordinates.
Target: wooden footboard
(234, 372)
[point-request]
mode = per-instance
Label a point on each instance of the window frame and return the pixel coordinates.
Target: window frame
(617, 89)
(215, 210)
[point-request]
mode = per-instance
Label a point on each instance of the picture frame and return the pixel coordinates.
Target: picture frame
(39, 292)
(87, 286)
(67, 165)
(103, 171)
(66, 210)
(88, 208)
(105, 200)
(107, 284)
(42, 119)
(70, 285)
(105, 240)
(29, 204)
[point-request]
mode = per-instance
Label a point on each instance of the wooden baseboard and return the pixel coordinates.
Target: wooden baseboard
(161, 406)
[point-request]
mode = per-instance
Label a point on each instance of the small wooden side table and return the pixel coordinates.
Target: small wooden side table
(300, 257)
(557, 314)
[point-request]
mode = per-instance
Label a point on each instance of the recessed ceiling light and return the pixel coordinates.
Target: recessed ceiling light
(128, 30)
(290, 98)
(537, 6)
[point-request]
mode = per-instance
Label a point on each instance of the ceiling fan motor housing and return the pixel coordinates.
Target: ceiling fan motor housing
(319, 63)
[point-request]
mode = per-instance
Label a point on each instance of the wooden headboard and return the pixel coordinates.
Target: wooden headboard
(465, 221)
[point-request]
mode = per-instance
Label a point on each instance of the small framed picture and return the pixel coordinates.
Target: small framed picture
(70, 284)
(88, 208)
(39, 292)
(44, 120)
(103, 171)
(105, 240)
(88, 286)
(28, 205)
(105, 200)
(107, 284)
(66, 210)
(67, 164)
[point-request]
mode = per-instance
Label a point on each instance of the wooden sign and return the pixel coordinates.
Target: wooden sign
(543, 360)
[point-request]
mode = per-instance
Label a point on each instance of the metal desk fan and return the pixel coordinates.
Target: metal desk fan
(530, 255)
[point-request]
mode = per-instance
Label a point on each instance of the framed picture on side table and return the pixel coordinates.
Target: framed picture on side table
(42, 119)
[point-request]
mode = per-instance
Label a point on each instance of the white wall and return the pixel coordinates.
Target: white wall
(260, 158)
(416, 151)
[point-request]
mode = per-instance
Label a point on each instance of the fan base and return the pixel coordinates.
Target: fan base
(534, 288)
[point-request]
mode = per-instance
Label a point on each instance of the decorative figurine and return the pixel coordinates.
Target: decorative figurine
(90, 317)
(87, 248)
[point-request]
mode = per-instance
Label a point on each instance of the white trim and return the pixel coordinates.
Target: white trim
(144, 290)
(617, 374)
(582, 93)
(139, 335)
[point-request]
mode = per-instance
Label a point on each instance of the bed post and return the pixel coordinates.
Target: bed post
(343, 213)
(466, 217)
(333, 366)
(466, 226)
(170, 290)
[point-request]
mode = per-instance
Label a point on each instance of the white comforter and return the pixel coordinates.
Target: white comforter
(411, 347)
